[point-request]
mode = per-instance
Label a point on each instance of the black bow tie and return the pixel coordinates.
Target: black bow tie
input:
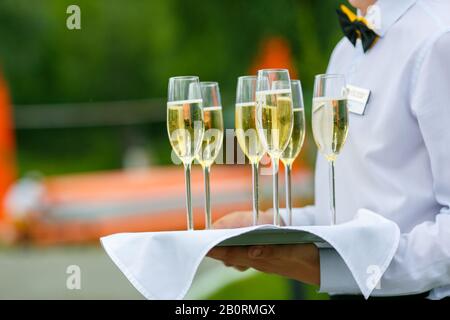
(356, 27)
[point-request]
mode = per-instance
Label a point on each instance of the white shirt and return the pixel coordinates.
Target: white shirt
(396, 161)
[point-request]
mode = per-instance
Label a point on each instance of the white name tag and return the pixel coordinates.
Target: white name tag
(357, 99)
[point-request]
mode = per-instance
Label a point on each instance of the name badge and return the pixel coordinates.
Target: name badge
(357, 99)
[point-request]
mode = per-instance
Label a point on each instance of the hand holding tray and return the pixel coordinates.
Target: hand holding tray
(162, 265)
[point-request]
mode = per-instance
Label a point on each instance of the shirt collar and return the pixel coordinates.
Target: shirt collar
(384, 13)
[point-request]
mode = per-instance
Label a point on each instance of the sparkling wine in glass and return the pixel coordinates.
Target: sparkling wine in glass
(185, 127)
(246, 132)
(295, 143)
(330, 123)
(274, 120)
(212, 138)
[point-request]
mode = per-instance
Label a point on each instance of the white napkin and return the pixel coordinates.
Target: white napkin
(162, 265)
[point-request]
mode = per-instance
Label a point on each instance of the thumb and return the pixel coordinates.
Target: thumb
(259, 252)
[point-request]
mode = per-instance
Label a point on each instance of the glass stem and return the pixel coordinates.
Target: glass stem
(276, 206)
(255, 167)
(332, 193)
(187, 175)
(208, 221)
(288, 169)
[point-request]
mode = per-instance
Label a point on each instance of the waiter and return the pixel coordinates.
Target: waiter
(396, 161)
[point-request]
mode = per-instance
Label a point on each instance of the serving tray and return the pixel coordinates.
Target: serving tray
(272, 236)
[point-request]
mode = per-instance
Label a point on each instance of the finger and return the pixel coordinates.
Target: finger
(257, 252)
(263, 258)
(246, 256)
(217, 253)
(271, 252)
(230, 255)
(221, 224)
(241, 268)
(263, 266)
(235, 219)
(236, 256)
(264, 252)
(257, 265)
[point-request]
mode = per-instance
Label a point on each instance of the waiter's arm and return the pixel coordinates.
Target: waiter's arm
(422, 261)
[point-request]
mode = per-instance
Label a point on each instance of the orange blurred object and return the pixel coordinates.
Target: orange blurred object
(82, 208)
(275, 52)
(7, 146)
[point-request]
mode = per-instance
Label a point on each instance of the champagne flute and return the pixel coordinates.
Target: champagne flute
(246, 133)
(185, 127)
(295, 143)
(330, 123)
(274, 120)
(212, 138)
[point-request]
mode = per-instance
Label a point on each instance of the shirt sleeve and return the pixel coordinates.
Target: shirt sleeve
(422, 260)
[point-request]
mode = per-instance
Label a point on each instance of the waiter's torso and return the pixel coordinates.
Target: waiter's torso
(384, 165)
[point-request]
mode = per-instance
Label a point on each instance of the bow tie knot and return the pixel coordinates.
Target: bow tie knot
(355, 27)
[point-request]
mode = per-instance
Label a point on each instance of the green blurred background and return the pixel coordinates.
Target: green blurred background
(123, 56)
(127, 51)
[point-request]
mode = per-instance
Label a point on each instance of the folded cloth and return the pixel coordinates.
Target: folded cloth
(162, 265)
